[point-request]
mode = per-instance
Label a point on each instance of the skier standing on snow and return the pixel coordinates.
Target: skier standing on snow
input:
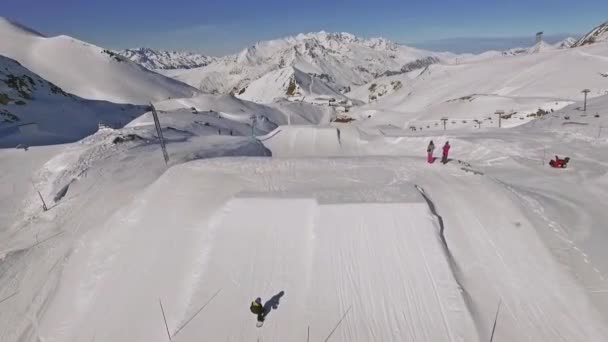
(429, 150)
(258, 309)
(446, 150)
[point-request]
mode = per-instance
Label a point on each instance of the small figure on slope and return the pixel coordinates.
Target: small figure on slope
(258, 309)
(429, 150)
(559, 163)
(446, 150)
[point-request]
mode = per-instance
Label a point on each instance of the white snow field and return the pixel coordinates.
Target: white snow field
(86, 70)
(337, 223)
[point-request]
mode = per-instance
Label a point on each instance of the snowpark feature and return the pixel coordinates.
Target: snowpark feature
(323, 267)
(337, 226)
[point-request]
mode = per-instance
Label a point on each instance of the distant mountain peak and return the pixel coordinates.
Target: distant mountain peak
(332, 62)
(165, 60)
(536, 48)
(566, 43)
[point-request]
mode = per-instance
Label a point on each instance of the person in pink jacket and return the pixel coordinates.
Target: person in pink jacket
(446, 150)
(429, 150)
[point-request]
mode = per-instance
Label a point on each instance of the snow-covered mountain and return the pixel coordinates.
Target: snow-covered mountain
(536, 48)
(86, 70)
(597, 35)
(35, 111)
(566, 43)
(165, 60)
(474, 89)
(289, 83)
(339, 60)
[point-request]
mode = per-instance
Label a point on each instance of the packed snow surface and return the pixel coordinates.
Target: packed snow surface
(342, 229)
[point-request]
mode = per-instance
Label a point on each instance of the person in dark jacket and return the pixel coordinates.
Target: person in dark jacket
(258, 309)
(446, 150)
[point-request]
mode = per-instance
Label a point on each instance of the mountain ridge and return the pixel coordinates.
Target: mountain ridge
(84, 69)
(154, 59)
(341, 60)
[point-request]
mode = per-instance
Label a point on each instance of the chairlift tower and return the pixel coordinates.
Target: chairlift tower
(500, 113)
(254, 121)
(585, 91)
(445, 121)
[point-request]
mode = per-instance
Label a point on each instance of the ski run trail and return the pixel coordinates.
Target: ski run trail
(345, 234)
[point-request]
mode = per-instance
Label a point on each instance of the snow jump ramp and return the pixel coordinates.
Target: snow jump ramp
(304, 141)
(351, 267)
(381, 266)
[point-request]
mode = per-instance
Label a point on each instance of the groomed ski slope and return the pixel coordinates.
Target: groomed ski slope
(334, 235)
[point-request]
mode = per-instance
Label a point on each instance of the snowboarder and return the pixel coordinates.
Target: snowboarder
(429, 150)
(446, 150)
(258, 309)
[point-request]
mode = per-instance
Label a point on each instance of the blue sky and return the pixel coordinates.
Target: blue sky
(221, 27)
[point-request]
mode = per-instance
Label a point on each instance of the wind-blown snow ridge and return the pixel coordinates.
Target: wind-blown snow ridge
(6, 22)
(86, 70)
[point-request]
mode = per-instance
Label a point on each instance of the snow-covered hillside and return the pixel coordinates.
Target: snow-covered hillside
(86, 70)
(289, 83)
(34, 111)
(340, 59)
(158, 59)
(597, 35)
(226, 110)
(566, 43)
(475, 90)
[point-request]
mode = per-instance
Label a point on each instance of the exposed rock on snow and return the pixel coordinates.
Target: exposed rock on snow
(597, 35)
